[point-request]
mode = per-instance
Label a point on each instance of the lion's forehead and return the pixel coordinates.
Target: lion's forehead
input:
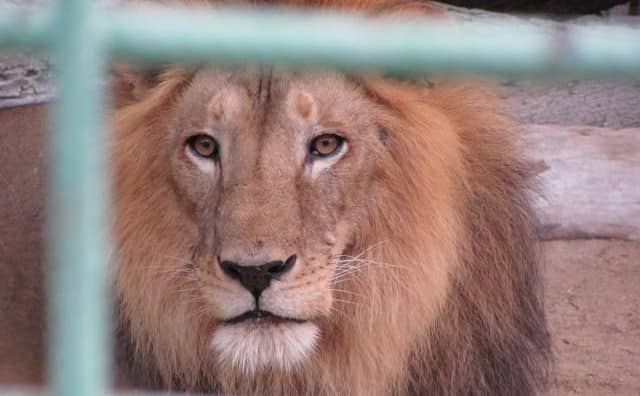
(238, 101)
(265, 118)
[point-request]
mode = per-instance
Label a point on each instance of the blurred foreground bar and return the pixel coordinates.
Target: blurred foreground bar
(284, 36)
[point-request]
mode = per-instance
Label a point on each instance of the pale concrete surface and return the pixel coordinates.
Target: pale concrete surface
(588, 179)
(609, 104)
(593, 302)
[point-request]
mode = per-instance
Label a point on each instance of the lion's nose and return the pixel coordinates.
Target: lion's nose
(256, 278)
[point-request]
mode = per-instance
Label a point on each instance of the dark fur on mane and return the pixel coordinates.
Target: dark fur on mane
(492, 337)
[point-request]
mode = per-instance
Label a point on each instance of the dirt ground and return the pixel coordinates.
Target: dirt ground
(593, 301)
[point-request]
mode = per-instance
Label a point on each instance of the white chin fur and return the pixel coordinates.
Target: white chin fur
(250, 347)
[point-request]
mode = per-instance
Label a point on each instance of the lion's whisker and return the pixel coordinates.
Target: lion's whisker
(346, 292)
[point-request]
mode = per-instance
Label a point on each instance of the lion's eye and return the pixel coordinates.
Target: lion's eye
(325, 145)
(203, 146)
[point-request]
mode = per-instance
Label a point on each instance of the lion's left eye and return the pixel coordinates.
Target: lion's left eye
(325, 145)
(203, 146)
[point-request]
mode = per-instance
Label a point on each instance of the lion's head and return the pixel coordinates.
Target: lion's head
(284, 232)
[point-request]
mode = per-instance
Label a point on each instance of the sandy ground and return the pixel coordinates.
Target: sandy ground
(593, 301)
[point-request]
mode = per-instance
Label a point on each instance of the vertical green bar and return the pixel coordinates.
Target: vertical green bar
(78, 200)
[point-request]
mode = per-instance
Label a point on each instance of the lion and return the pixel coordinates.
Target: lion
(283, 231)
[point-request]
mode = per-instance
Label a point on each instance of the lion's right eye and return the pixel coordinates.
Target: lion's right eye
(326, 145)
(203, 146)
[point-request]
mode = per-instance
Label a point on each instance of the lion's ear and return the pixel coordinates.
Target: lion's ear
(132, 83)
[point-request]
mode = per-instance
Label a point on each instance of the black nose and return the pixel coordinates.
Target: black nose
(256, 278)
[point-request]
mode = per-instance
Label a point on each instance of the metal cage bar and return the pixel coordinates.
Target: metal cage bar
(82, 40)
(77, 212)
(350, 41)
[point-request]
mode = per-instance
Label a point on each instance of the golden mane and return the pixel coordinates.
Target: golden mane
(449, 153)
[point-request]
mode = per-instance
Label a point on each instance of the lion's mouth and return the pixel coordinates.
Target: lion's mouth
(260, 316)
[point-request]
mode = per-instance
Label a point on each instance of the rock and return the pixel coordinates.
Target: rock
(24, 79)
(589, 178)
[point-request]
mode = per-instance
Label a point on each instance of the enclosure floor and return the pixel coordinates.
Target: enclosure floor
(593, 301)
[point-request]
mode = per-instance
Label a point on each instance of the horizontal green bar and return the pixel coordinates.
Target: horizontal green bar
(278, 36)
(36, 391)
(21, 28)
(158, 34)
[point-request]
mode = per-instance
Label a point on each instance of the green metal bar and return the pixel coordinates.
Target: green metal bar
(352, 42)
(20, 28)
(79, 356)
(329, 39)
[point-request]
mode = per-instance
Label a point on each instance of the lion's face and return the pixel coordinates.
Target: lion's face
(314, 233)
(274, 171)
(269, 174)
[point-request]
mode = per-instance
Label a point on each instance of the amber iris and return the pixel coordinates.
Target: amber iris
(204, 146)
(325, 145)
